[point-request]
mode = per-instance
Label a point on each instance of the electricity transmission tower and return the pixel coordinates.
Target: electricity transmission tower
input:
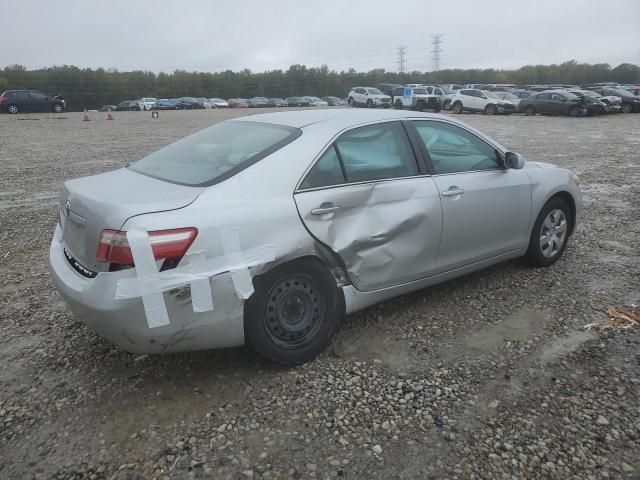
(436, 50)
(402, 51)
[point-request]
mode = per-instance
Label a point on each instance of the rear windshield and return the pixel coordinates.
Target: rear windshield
(216, 153)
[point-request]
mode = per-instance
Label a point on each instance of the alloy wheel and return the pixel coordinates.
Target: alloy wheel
(553, 233)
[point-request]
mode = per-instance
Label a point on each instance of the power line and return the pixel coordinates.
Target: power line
(436, 50)
(402, 51)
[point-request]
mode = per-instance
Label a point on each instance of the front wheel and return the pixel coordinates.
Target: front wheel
(530, 110)
(57, 108)
(293, 313)
(398, 105)
(550, 234)
(369, 104)
(490, 110)
(574, 111)
(626, 108)
(457, 107)
(351, 102)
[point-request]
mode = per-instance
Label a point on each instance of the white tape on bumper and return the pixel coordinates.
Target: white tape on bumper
(149, 283)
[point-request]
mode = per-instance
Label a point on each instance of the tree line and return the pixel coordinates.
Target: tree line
(89, 88)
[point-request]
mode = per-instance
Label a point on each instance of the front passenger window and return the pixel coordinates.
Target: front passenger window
(453, 149)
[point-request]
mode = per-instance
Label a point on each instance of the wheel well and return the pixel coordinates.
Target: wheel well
(337, 270)
(568, 199)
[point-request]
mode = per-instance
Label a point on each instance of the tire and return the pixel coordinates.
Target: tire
(351, 102)
(305, 290)
(447, 104)
(574, 111)
(490, 110)
(457, 107)
(398, 105)
(420, 106)
(437, 108)
(12, 109)
(530, 110)
(57, 108)
(547, 242)
(626, 108)
(369, 104)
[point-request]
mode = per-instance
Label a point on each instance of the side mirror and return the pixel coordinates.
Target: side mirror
(513, 160)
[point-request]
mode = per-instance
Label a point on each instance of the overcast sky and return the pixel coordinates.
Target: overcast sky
(207, 35)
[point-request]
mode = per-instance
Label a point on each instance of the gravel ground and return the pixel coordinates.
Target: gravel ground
(487, 376)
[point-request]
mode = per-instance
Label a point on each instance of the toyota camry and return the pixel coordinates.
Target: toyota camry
(265, 230)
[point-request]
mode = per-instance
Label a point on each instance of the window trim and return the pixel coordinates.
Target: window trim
(425, 152)
(414, 150)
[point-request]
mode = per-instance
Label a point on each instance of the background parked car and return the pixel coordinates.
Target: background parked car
(193, 102)
(553, 102)
(389, 89)
(368, 97)
(420, 99)
(205, 102)
(14, 101)
(473, 100)
(219, 103)
(107, 108)
(277, 102)
(238, 103)
(591, 101)
(630, 102)
(148, 102)
(633, 89)
(296, 102)
(165, 104)
(316, 102)
(335, 101)
(258, 102)
(129, 105)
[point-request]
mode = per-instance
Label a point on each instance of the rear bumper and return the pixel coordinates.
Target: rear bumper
(124, 322)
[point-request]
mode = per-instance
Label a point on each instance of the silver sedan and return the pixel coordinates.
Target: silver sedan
(267, 229)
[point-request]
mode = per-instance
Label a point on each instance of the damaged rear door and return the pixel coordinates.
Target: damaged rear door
(373, 204)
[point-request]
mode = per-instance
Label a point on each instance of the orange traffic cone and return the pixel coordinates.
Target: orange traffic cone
(109, 116)
(86, 118)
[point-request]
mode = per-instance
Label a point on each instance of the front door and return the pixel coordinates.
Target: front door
(486, 209)
(367, 200)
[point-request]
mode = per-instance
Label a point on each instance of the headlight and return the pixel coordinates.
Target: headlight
(576, 179)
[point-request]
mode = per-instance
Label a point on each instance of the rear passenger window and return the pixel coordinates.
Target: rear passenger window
(376, 152)
(327, 171)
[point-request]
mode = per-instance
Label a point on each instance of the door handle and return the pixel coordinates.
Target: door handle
(325, 208)
(452, 192)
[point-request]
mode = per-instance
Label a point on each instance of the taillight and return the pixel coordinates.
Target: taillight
(2, 98)
(113, 246)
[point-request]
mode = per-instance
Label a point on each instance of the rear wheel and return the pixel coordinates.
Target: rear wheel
(457, 107)
(626, 108)
(13, 109)
(530, 110)
(490, 110)
(398, 105)
(550, 233)
(293, 313)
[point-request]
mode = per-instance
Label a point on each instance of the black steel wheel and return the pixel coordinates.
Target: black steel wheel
(293, 313)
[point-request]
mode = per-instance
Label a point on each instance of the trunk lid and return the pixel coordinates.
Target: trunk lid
(90, 204)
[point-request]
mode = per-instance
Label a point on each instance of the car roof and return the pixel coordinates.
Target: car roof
(339, 118)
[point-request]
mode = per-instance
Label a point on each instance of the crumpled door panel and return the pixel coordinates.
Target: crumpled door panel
(386, 233)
